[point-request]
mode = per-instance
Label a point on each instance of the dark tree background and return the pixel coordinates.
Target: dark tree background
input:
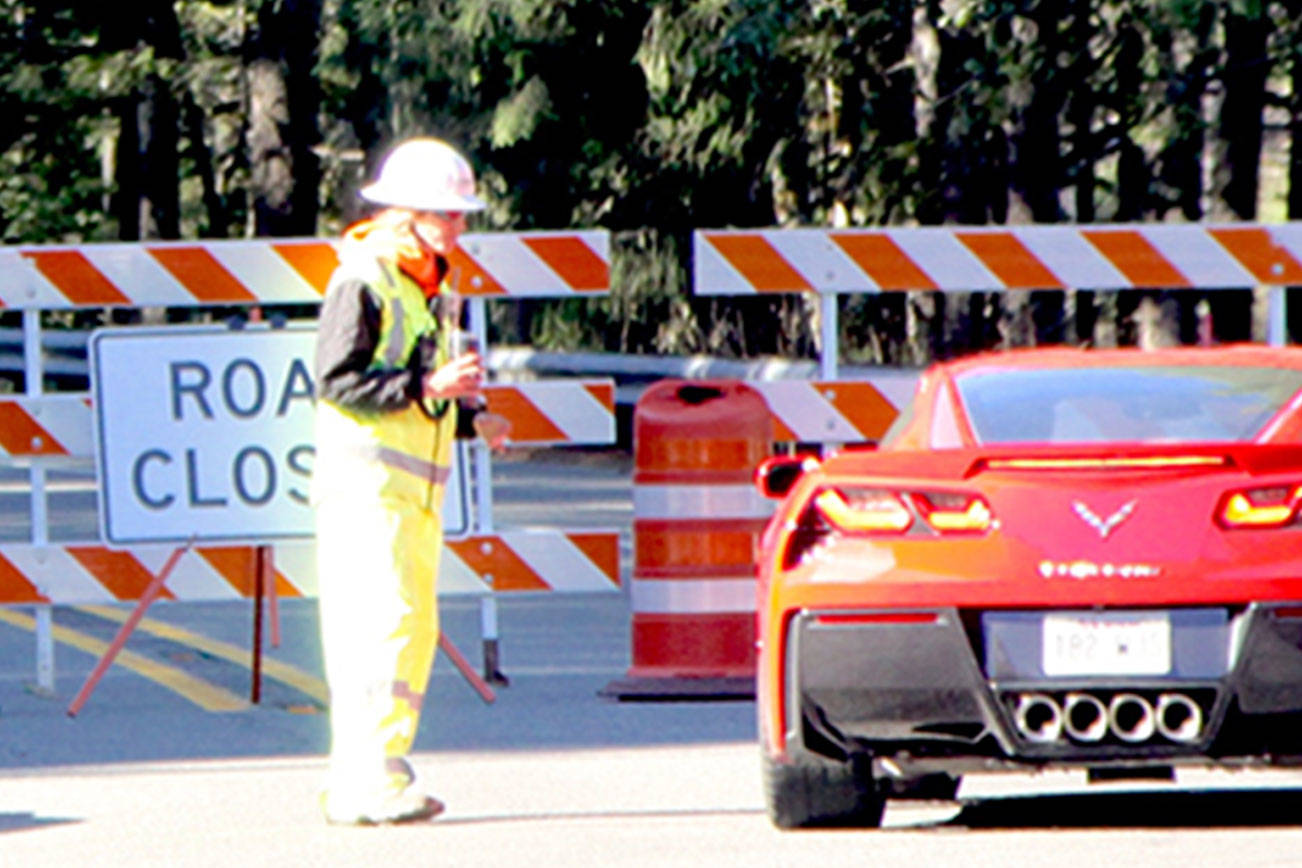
(239, 118)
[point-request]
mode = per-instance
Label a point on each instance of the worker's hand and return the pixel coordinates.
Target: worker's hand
(463, 377)
(494, 428)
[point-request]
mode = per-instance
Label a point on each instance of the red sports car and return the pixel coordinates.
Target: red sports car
(1055, 557)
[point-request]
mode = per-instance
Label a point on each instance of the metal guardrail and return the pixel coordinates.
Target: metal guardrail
(633, 373)
(64, 352)
(65, 361)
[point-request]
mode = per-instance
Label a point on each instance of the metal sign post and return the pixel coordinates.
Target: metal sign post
(829, 358)
(1277, 321)
(477, 322)
(34, 386)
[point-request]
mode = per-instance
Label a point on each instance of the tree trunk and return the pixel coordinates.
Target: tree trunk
(963, 175)
(877, 112)
(1104, 334)
(1294, 8)
(1036, 168)
(930, 112)
(1181, 161)
(1080, 112)
(1293, 296)
(921, 312)
(1016, 324)
(283, 101)
(1078, 306)
(1241, 126)
(160, 209)
(365, 106)
(218, 222)
(1156, 323)
(146, 202)
(1134, 181)
(124, 204)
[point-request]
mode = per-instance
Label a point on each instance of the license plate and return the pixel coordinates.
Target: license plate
(1106, 644)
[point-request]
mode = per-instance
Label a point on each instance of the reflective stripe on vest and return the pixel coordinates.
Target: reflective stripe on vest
(435, 474)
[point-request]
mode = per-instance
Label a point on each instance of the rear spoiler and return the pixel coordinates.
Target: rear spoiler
(958, 464)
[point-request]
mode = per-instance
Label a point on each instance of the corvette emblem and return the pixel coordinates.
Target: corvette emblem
(1107, 525)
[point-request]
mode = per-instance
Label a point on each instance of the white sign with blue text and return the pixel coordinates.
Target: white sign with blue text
(207, 434)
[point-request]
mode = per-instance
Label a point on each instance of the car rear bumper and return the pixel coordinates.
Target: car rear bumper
(943, 685)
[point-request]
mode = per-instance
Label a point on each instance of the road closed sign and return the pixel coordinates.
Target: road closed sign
(207, 434)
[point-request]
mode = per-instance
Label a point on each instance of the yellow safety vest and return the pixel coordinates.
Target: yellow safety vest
(404, 454)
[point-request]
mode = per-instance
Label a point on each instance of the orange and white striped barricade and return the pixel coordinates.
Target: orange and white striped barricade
(556, 412)
(542, 412)
(515, 560)
(47, 426)
(279, 271)
(538, 559)
(998, 258)
(696, 521)
(994, 258)
(77, 573)
(836, 411)
(40, 429)
(521, 560)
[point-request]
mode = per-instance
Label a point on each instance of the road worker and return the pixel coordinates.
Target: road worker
(389, 386)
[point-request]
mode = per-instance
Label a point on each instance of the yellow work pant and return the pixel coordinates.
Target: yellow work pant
(377, 568)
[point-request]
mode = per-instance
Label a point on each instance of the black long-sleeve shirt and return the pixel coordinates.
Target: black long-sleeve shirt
(348, 333)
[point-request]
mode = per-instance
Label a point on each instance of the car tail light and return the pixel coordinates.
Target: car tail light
(949, 512)
(1260, 508)
(863, 509)
(858, 510)
(1122, 462)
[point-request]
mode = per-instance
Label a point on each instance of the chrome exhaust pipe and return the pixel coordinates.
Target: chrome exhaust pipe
(1038, 718)
(1178, 717)
(1084, 717)
(1131, 717)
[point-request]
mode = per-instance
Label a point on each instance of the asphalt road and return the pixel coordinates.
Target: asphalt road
(550, 774)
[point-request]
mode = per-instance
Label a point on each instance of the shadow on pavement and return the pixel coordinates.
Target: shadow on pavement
(684, 814)
(1223, 808)
(19, 822)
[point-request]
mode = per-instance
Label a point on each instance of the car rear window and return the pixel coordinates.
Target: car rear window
(1124, 403)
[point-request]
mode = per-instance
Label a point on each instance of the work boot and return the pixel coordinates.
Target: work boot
(407, 806)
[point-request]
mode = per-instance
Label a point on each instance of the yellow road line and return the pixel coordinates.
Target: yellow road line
(207, 696)
(274, 669)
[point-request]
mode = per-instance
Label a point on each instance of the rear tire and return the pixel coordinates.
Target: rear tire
(817, 792)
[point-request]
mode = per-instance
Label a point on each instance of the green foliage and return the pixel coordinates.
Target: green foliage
(658, 117)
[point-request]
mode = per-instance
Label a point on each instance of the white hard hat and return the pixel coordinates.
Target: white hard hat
(425, 175)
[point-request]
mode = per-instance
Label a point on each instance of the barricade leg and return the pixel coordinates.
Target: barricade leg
(264, 590)
(273, 596)
(45, 649)
(484, 521)
(467, 671)
(259, 581)
(488, 630)
(151, 593)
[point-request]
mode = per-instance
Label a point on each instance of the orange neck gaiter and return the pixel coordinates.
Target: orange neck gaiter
(389, 233)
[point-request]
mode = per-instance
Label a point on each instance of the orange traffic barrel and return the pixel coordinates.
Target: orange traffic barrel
(697, 518)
